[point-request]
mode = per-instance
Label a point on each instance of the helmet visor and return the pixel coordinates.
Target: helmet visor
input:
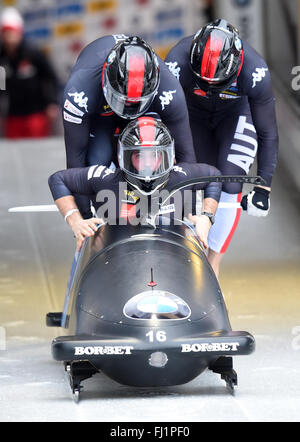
(146, 162)
(214, 85)
(124, 106)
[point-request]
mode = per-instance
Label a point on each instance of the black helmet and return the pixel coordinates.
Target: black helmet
(146, 154)
(130, 77)
(216, 56)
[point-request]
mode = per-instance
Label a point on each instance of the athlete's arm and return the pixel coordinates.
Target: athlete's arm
(212, 193)
(63, 185)
(79, 104)
(82, 228)
(262, 104)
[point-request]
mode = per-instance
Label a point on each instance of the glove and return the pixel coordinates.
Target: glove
(257, 202)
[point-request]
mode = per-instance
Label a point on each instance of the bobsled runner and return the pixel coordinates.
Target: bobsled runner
(144, 307)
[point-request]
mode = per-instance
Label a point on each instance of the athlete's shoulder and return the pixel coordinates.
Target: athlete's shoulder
(180, 169)
(178, 60)
(102, 173)
(82, 94)
(186, 171)
(94, 54)
(169, 94)
(254, 76)
(181, 50)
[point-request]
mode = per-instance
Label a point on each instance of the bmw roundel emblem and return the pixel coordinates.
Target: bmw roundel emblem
(157, 304)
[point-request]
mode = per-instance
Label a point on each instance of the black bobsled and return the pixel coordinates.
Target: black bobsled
(145, 308)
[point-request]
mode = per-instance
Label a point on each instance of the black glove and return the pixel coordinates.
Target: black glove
(257, 202)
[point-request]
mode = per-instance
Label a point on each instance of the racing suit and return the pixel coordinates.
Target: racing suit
(90, 124)
(230, 128)
(94, 179)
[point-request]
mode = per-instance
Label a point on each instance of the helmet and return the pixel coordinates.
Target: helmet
(146, 154)
(130, 77)
(216, 56)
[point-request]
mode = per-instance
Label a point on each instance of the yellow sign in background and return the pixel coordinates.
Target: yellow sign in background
(71, 28)
(101, 5)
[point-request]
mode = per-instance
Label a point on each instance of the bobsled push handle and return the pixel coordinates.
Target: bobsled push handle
(255, 180)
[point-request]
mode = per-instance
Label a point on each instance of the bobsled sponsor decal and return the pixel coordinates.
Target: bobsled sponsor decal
(210, 347)
(258, 75)
(103, 350)
(71, 108)
(72, 119)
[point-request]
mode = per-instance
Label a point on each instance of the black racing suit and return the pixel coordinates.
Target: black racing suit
(90, 124)
(231, 127)
(107, 183)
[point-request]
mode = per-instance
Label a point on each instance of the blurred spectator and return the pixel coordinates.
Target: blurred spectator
(31, 83)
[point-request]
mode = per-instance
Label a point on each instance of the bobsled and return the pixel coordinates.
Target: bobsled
(144, 307)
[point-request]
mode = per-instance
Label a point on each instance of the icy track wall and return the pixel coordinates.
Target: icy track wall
(63, 27)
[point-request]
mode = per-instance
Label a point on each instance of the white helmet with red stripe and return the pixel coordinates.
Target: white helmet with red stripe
(130, 77)
(216, 56)
(146, 154)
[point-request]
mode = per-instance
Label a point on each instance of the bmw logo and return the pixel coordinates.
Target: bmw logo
(157, 304)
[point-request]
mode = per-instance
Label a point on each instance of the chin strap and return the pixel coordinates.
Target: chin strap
(142, 192)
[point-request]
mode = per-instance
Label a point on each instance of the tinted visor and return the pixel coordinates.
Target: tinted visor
(124, 106)
(146, 162)
(214, 85)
